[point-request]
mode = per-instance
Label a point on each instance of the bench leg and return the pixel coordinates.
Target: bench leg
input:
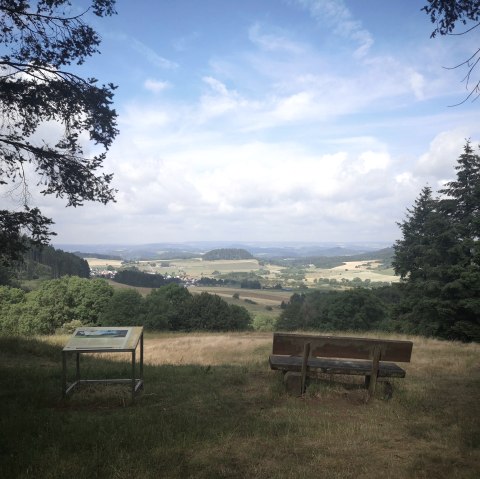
(387, 387)
(294, 383)
(306, 354)
(373, 377)
(387, 390)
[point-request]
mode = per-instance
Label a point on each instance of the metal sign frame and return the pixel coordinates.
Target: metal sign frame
(115, 339)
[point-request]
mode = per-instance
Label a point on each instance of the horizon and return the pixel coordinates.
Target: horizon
(101, 248)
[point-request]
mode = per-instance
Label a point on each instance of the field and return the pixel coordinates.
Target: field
(196, 268)
(265, 302)
(212, 408)
(353, 269)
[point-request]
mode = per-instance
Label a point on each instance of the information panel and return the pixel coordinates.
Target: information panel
(104, 338)
(113, 339)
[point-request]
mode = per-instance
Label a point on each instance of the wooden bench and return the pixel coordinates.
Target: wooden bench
(302, 356)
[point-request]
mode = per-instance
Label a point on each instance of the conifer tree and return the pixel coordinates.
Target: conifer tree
(437, 258)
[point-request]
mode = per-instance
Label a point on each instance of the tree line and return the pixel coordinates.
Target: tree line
(135, 277)
(70, 302)
(43, 262)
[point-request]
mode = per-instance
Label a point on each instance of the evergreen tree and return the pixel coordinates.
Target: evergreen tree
(437, 258)
(462, 202)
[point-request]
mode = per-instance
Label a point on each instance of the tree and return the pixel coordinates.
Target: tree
(124, 308)
(39, 41)
(438, 258)
(462, 202)
(446, 14)
(57, 303)
(358, 309)
(429, 241)
(167, 308)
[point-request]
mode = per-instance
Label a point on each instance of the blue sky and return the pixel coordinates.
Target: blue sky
(272, 120)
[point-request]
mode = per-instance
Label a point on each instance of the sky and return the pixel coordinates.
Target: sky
(272, 120)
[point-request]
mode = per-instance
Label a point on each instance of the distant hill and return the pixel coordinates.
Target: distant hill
(227, 253)
(385, 256)
(261, 250)
(97, 255)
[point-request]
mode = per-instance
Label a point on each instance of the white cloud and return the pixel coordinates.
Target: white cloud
(418, 84)
(371, 160)
(271, 42)
(339, 16)
(438, 163)
(156, 86)
(152, 56)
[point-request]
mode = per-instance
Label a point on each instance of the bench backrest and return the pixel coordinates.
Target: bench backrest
(290, 344)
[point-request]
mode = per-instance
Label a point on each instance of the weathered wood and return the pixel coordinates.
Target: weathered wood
(376, 353)
(291, 344)
(303, 356)
(306, 354)
(293, 383)
(319, 366)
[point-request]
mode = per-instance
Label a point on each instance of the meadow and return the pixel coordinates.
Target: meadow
(212, 408)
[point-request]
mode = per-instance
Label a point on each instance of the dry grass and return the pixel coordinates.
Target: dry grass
(207, 349)
(262, 296)
(353, 269)
(103, 263)
(213, 409)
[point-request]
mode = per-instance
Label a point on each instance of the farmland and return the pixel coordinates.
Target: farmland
(197, 268)
(264, 302)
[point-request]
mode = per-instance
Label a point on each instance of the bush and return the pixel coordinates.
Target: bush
(264, 323)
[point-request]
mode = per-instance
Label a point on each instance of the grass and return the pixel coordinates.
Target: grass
(212, 409)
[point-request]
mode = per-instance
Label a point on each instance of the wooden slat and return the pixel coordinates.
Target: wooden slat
(335, 366)
(341, 347)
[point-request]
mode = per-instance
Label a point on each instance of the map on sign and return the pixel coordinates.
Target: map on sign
(99, 339)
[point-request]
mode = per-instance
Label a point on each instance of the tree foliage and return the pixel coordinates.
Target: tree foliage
(125, 308)
(357, 309)
(438, 258)
(39, 41)
(72, 302)
(54, 305)
(135, 277)
(227, 253)
(446, 15)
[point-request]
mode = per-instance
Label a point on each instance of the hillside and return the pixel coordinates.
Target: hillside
(227, 254)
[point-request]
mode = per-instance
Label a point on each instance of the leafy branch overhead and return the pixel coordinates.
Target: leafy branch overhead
(446, 15)
(40, 40)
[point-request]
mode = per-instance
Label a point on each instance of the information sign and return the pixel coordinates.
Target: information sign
(114, 339)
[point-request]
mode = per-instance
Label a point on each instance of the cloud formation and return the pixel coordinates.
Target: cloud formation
(294, 123)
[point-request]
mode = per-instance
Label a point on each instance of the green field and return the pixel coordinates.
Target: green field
(197, 268)
(212, 408)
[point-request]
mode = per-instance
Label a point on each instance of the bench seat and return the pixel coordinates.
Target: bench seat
(335, 366)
